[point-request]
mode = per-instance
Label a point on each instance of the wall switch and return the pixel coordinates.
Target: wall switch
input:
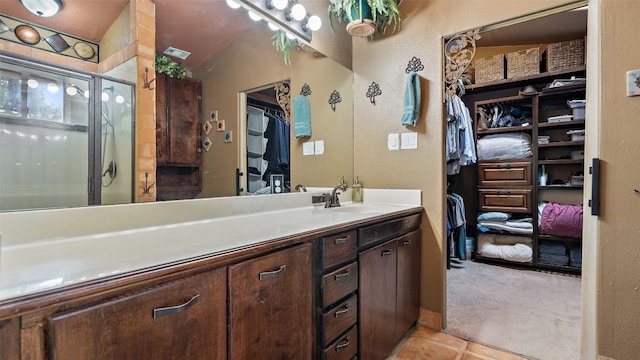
(308, 148)
(228, 136)
(319, 147)
(393, 141)
(409, 141)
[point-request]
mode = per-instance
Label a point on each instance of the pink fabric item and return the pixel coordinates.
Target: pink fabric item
(561, 220)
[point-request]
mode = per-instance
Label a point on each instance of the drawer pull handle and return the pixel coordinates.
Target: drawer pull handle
(406, 243)
(386, 253)
(343, 345)
(270, 274)
(163, 311)
(342, 240)
(344, 310)
(342, 275)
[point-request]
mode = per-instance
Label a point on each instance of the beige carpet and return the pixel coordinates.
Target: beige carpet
(527, 312)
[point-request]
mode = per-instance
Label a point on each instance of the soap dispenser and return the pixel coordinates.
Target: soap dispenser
(356, 190)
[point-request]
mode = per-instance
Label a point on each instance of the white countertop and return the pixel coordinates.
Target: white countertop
(31, 264)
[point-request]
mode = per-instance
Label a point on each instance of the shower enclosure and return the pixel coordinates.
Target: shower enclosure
(66, 138)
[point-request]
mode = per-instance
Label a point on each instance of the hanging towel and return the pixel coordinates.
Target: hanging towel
(411, 100)
(301, 116)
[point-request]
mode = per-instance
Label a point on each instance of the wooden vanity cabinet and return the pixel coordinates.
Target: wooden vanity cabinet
(182, 320)
(271, 306)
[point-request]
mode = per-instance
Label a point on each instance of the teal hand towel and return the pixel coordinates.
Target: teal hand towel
(411, 100)
(301, 116)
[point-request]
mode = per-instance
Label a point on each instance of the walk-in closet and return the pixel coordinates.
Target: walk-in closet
(515, 168)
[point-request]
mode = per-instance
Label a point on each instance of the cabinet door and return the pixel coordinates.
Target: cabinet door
(408, 282)
(10, 338)
(271, 308)
(161, 119)
(378, 301)
(183, 320)
(184, 121)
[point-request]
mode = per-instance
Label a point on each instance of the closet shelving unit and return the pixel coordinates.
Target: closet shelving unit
(512, 185)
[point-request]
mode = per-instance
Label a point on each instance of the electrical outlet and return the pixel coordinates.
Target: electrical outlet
(228, 136)
(277, 184)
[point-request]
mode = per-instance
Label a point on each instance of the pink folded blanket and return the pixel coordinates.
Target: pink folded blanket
(561, 220)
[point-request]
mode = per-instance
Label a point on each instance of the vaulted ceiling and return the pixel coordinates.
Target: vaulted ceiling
(202, 27)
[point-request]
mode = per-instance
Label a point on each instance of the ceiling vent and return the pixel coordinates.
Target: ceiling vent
(181, 54)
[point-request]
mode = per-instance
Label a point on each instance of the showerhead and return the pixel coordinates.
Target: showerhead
(108, 88)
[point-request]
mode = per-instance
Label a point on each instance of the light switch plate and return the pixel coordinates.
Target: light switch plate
(228, 136)
(308, 148)
(319, 147)
(393, 141)
(409, 141)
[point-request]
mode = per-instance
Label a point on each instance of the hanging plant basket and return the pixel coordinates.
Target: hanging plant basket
(361, 22)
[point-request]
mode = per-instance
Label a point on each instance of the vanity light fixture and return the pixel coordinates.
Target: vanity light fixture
(44, 8)
(288, 15)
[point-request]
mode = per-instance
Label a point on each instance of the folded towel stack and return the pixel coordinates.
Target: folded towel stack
(552, 253)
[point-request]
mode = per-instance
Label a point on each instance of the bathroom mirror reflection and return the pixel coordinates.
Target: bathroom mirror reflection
(244, 59)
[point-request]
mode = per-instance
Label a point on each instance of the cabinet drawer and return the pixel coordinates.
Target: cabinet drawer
(507, 200)
(339, 283)
(339, 248)
(505, 174)
(370, 235)
(345, 348)
(339, 319)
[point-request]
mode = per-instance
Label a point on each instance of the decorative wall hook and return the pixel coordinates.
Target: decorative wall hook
(334, 99)
(374, 90)
(415, 65)
(146, 187)
(306, 90)
(145, 78)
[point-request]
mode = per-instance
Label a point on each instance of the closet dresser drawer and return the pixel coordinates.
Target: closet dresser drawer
(513, 173)
(506, 200)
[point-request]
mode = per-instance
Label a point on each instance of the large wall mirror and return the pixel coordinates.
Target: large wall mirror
(230, 55)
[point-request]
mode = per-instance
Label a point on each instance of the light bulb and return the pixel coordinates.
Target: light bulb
(232, 4)
(314, 23)
(298, 12)
(280, 4)
(105, 97)
(254, 16)
(86, 93)
(272, 27)
(71, 91)
(119, 99)
(52, 88)
(290, 36)
(33, 83)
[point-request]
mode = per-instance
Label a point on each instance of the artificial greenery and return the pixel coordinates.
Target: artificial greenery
(283, 44)
(384, 12)
(165, 65)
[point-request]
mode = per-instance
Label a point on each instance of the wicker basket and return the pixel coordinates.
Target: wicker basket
(565, 55)
(523, 63)
(489, 68)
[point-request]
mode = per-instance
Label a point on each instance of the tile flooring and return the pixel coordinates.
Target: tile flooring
(426, 344)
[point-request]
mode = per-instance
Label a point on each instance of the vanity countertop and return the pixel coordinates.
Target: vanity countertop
(34, 265)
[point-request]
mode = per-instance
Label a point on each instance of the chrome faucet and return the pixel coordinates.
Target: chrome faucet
(333, 200)
(300, 186)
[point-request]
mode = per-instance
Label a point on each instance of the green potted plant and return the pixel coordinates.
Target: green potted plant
(366, 17)
(164, 65)
(283, 44)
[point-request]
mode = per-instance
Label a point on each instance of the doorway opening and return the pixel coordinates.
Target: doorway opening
(265, 140)
(508, 277)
